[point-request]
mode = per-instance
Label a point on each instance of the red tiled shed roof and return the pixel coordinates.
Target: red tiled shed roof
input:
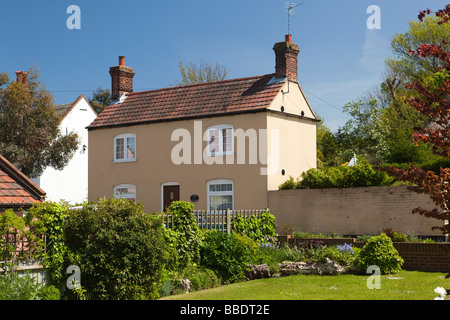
(17, 190)
(242, 95)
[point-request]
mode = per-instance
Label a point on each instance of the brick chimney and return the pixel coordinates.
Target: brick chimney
(121, 79)
(22, 77)
(286, 59)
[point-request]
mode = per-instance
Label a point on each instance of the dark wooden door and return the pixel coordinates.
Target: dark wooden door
(170, 193)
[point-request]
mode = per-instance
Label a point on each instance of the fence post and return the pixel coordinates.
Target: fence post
(228, 221)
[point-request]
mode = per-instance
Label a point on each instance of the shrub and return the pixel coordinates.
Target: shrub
(257, 228)
(273, 255)
(229, 255)
(343, 255)
(18, 288)
(49, 218)
(380, 251)
(24, 287)
(307, 235)
(119, 248)
(398, 237)
(186, 233)
(201, 278)
(48, 293)
(362, 175)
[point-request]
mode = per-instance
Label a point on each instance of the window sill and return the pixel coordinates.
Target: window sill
(220, 154)
(122, 161)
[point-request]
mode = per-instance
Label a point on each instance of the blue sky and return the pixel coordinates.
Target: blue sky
(340, 58)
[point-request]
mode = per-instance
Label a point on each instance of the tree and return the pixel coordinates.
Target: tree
(382, 122)
(432, 99)
(327, 146)
(101, 98)
(408, 68)
(364, 133)
(29, 127)
(204, 72)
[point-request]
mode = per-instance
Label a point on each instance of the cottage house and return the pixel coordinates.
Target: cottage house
(71, 183)
(218, 144)
(17, 191)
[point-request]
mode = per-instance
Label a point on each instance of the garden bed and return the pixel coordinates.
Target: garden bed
(431, 257)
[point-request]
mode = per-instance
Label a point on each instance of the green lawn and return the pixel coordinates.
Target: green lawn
(405, 285)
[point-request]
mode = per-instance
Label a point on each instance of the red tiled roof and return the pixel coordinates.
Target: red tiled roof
(191, 101)
(16, 190)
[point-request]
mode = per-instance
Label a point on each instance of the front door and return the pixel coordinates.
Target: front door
(170, 193)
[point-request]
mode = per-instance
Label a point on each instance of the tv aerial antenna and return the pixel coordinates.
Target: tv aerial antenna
(290, 6)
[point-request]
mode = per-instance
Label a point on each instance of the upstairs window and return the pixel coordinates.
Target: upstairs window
(125, 191)
(125, 148)
(220, 140)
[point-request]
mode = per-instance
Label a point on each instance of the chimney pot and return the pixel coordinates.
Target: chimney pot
(25, 78)
(121, 60)
(19, 77)
(288, 38)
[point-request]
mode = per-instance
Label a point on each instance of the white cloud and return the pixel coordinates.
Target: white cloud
(375, 50)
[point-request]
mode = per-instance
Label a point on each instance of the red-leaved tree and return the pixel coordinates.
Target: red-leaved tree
(433, 100)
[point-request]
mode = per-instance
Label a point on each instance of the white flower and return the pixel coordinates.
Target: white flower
(440, 291)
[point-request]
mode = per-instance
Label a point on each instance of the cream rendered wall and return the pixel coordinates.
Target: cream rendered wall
(297, 147)
(154, 166)
(71, 183)
(297, 134)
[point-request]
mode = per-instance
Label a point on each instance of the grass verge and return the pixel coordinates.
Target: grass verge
(405, 285)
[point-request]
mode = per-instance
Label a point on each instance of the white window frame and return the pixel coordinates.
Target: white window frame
(219, 193)
(221, 152)
(127, 195)
(125, 140)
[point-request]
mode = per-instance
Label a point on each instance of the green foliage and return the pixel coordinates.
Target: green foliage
(380, 251)
(327, 146)
(48, 293)
(15, 287)
(363, 133)
(12, 229)
(309, 235)
(320, 253)
(186, 236)
(361, 175)
(119, 248)
(201, 278)
(29, 128)
(48, 218)
(394, 235)
(229, 255)
(418, 33)
(256, 228)
(273, 255)
(204, 72)
(101, 98)
(289, 184)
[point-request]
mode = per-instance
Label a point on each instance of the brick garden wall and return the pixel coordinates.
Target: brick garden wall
(431, 257)
(353, 211)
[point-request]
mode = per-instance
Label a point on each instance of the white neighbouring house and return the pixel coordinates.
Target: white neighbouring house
(71, 183)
